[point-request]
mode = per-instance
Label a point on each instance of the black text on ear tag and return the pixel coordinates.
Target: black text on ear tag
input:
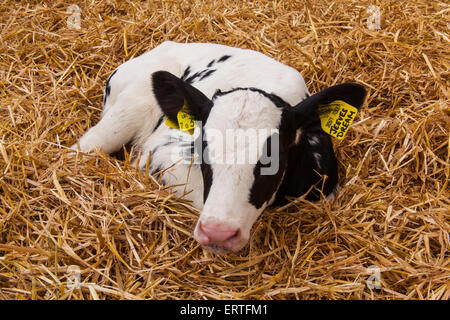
(186, 122)
(336, 117)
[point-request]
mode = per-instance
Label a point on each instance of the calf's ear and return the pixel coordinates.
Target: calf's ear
(174, 95)
(304, 117)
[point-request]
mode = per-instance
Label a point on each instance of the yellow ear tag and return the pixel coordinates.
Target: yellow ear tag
(171, 124)
(336, 117)
(185, 121)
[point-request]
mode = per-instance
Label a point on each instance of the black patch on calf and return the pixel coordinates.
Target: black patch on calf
(207, 179)
(203, 74)
(160, 121)
(265, 186)
(280, 103)
(205, 166)
(186, 73)
(207, 74)
(198, 76)
(304, 170)
(224, 58)
(108, 87)
(190, 79)
(276, 100)
(154, 171)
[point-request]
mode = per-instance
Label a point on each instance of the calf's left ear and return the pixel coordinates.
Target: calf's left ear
(305, 115)
(174, 94)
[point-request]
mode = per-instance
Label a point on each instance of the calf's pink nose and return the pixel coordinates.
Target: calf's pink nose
(216, 233)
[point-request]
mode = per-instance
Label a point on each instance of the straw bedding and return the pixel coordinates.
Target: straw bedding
(132, 239)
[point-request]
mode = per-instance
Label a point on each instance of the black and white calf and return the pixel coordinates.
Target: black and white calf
(226, 89)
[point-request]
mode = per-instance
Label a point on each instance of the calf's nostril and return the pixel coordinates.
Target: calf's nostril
(202, 237)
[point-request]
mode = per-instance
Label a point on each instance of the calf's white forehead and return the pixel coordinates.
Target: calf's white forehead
(237, 128)
(244, 109)
(249, 118)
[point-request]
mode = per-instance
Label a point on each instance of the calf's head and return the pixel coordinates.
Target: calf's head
(246, 138)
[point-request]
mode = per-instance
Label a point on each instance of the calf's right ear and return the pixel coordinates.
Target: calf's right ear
(174, 94)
